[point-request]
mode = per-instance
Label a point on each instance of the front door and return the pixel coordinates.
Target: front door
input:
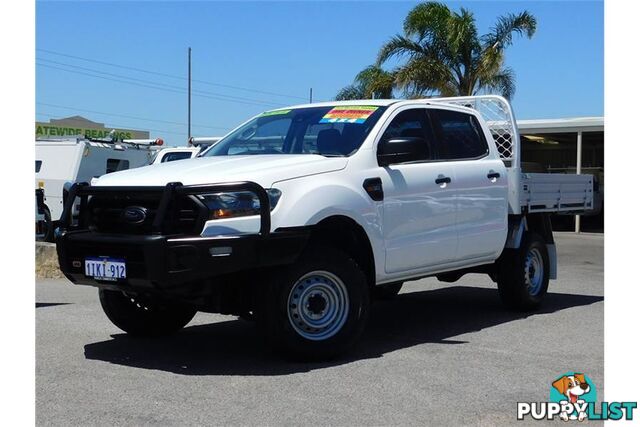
(419, 208)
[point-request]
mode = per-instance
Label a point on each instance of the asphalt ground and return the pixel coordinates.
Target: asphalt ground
(438, 354)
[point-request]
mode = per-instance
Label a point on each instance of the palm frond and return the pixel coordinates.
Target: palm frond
(503, 82)
(427, 20)
(462, 33)
(424, 76)
(399, 46)
(375, 81)
(349, 92)
(501, 35)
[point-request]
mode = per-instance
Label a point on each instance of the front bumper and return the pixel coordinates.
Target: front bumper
(162, 262)
(165, 264)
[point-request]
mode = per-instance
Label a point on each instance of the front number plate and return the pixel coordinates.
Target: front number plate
(105, 268)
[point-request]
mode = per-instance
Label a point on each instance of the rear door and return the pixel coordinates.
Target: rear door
(419, 207)
(479, 180)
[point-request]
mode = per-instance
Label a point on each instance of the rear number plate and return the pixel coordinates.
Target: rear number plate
(105, 268)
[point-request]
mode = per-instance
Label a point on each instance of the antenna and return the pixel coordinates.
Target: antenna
(189, 98)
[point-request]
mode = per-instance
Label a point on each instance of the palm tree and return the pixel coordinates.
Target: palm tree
(445, 56)
(372, 82)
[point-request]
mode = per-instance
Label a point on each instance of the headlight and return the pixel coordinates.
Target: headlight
(236, 204)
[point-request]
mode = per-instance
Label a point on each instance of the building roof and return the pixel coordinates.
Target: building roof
(573, 124)
(76, 121)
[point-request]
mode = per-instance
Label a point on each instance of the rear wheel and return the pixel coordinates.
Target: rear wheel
(144, 316)
(523, 274)
(317, 308)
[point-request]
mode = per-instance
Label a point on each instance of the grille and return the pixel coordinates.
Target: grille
(136, 213)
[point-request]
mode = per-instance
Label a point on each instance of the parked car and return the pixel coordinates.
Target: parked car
(195, 147)
(302, 215)
(174, 153)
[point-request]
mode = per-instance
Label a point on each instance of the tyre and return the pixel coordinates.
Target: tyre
(317, 308)
(523, 274)
(387, 291)
(144, 316)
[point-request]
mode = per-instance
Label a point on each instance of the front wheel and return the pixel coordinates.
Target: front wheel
(317, 308)
(144, 316)
(523, 274)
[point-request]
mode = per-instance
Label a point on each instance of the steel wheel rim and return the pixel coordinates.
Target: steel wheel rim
(533, 271)
(318, 305)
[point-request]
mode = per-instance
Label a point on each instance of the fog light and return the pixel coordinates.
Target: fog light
(221, 251)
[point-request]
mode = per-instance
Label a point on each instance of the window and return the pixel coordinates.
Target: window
(178, 155)
(114, 165)
(314, 130)
(411, 123)
(38, 165)
(265, 139)
(459, 135)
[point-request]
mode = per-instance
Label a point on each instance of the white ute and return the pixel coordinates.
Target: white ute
(300, 216)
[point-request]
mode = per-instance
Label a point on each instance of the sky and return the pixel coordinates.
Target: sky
(125, 63)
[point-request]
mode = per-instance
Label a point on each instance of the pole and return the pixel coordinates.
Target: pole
(578, 170)
(310, 95)
(189, 99)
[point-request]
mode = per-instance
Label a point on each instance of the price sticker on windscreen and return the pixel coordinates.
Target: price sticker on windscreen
(348, 114)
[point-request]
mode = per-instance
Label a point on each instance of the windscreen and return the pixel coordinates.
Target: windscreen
(329, 131)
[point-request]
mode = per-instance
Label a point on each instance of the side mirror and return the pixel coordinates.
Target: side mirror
(401, 149)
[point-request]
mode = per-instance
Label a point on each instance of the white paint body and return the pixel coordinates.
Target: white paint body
(420, 228)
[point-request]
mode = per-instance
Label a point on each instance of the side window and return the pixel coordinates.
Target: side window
(458, 135)
(177, 155)
(411, 123)
(264, 139)
(38, 165)
(114, 165)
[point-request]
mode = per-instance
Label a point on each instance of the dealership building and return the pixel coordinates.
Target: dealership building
(571, 145)
(78, 125)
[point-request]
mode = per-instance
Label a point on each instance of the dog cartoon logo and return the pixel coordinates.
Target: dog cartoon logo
(574, 389)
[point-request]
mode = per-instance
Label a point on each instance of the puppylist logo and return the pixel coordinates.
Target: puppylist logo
(572, 397)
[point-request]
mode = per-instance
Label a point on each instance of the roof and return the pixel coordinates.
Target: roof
(81, 121)
(374, 102)
(573, 124)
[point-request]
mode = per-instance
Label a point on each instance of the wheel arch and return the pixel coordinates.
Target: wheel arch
(534, 223)
(346, 234)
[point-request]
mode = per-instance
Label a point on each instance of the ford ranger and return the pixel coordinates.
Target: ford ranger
(301, 216)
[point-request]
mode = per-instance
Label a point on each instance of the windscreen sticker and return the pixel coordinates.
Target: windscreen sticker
(348, 114)
(274, 113)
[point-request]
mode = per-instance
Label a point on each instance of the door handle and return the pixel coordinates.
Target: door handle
(493, 175)
(441, 179)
